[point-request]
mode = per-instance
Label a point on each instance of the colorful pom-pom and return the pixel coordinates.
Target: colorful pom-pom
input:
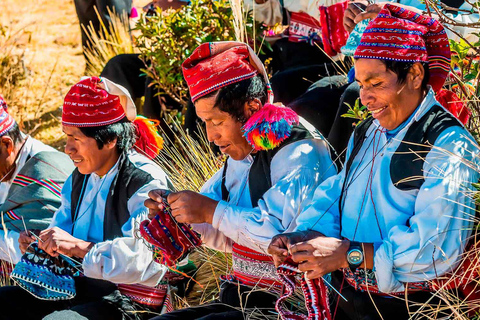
(269, 126)
(149, 142)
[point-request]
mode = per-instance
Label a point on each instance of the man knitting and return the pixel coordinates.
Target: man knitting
(399, 213)
(268, 178)
(102, 203)
(31, 177)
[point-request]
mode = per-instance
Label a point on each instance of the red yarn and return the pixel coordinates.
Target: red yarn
(149, 142)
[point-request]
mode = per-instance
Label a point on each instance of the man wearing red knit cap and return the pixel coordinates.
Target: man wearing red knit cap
(397, 218)
(31, 177)
(275, 161)
(102, 203)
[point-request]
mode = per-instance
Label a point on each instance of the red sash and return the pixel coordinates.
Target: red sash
(152, 297)
(252, 268)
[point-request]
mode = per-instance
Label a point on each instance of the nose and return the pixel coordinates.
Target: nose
(69, 147)
(212, 134)
(366, 97)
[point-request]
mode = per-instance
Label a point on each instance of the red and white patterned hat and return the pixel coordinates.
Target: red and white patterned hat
(214, 65)
(402, 35)
(94, 102)
(6, 120)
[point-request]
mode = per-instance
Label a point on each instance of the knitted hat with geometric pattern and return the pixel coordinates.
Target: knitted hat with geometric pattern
(398, 34)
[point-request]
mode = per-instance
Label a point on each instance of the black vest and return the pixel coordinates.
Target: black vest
(407, 160)
(127, 181)
(259, 178)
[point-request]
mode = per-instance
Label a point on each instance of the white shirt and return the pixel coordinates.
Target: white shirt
(9, 241)
(122, 260)
(296, 170)
(417, 234)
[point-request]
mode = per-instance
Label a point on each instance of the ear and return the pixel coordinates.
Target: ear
(416, 74)
(111, 144)
(7, 144)
(251, 107)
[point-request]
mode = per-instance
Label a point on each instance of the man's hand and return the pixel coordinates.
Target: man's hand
(25, 239)
(186, 206)
(56, 241)
(354, 8)
(279, 247)
(320, 255)
(155, 204)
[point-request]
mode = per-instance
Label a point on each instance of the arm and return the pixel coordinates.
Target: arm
(127, 259)
(438, 230)
(297, 170)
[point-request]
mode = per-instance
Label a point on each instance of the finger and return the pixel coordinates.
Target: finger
(302, 256)
(158, 194)
(310, 275)
(355, 8)
(278, 260)
(172, 197)
(277, 251)
(153, 205)
(152, 214)
(365, 15)
(300, 246)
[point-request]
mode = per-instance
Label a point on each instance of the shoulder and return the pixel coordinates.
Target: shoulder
(38, 146)
(144, 168)
(50, 164)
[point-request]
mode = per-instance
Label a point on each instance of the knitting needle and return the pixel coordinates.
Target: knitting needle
(63, 256)
(330, 285)
(356, 5)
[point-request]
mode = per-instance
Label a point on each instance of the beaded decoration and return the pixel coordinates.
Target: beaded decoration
(44, 276)
(269, 126)
(169, 240)
(315, 292)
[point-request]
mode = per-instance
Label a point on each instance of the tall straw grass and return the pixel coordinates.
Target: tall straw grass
(111, 40)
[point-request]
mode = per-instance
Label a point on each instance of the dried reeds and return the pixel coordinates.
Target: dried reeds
(111, 40)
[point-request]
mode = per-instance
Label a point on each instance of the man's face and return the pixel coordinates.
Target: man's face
(7, 157)
(222, 129)
(86, 155)
(390, 102)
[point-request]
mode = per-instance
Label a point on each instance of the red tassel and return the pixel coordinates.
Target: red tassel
(149, 142)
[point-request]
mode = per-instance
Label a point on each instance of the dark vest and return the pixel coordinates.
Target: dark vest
(407, 160)
(125, 184)
(259, 178)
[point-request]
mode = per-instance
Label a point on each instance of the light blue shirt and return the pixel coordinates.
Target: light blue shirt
(121, 260)
(417, 234)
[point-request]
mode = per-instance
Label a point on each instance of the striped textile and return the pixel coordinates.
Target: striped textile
(314, 291)
(151, 297)
(252, 268)
(50, 185)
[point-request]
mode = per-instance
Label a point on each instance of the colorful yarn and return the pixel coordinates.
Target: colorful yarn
(269, 126)
(169, 240)
(45, 277)
(314, 291)
(149, 141)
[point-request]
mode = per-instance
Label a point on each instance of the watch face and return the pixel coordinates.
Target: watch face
(355, 256)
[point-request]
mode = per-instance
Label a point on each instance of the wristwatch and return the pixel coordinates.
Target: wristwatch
(355, 255)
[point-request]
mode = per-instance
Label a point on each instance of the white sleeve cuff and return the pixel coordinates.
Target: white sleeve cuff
(383, 262)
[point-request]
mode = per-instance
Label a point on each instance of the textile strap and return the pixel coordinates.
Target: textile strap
(315, 292)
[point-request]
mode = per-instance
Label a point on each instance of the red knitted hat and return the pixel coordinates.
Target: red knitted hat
(214, 65)
(96, 102)
(6, 120)
(402, 35)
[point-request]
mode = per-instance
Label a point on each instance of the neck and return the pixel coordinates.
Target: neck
(108, 165)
